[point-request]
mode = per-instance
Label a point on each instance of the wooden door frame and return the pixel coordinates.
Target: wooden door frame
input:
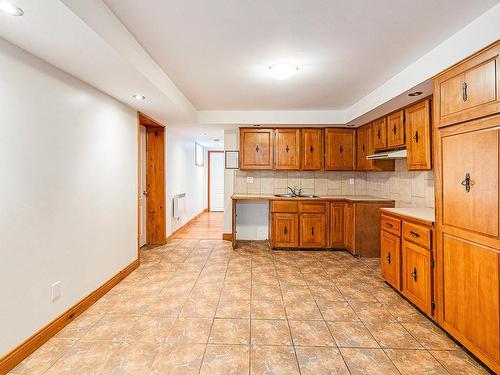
(157, 188)
(208, 189)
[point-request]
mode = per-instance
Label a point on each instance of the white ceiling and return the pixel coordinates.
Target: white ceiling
(217, 51)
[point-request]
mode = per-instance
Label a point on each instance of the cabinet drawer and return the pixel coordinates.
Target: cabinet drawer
(283, 206)
(391, 225)
(312, 207)
(417, 233)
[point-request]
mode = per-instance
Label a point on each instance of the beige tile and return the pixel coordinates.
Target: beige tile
(392, 335)
(321, 361)
(372, 312)
(230, 331)
(457, 362)
(77, 328)
(112, 328)
(270, 332)
(430, 336)
(178, 359)
(271, 360)
(226, 359)
(411, 362)
(151, 329)
(232, 308)
(131, 359)
(199, 308)
(310, 333)
(266, 292)
(324, 293)
(268, 309)
(190, 330)
(368, 362)
(45, 356)
(305, 310)
(337, 311)
(352, 335)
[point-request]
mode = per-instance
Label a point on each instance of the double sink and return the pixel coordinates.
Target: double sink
(289, 195)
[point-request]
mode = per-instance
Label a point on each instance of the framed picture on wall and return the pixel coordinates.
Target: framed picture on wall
(199, 155)
(232, 159)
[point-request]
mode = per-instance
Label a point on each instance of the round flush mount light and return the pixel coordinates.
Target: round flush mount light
(10, 9)
(283, 71)
(139, 97)
(416, 93)
(202, 134)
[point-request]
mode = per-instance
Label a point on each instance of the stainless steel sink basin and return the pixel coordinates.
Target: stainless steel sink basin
(285, 195)
(296, 196)
(307, 196)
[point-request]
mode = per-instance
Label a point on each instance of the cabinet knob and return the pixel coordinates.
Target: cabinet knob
(415, 137)
(389, 225)
(388, 257)
(285, 230)
(467, 182)
(414, 234)
(341, 149)
(311, 148)
(464, 91)
(312, 231)
(287, 148)
(414, 274)
(257, 148)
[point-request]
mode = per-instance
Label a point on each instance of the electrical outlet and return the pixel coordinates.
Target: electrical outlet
(351, 181)
(249, 180)
(56, 291)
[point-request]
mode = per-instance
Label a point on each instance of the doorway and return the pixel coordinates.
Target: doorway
(216, 181)
(151, 182)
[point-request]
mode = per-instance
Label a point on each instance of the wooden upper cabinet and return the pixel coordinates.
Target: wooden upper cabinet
(364, 147)
(470, 89)
(418, 143)
(287, 149)
(256, 148)
(312, 149)
(380, 134)
(395, 129)
(340, 149)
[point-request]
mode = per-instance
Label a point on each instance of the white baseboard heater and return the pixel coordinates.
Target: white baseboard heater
(179, 205)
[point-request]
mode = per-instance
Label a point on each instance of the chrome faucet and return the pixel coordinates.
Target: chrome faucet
(294, 191)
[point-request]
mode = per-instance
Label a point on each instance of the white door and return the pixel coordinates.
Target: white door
(142, 186)
(216, 181)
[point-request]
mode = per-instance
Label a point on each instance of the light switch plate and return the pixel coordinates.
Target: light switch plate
(56, 291)
(249, 180)
(351, 181)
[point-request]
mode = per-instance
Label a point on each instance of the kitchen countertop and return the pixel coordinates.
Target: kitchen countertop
(347, 198)
(420, 213)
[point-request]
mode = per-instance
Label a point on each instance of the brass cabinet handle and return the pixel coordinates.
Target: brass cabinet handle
(467, 182)
(388, 257)
(414, 274)
(257, 148)
(464, 91)
(414, 234)
(389, 225)
(415, 137)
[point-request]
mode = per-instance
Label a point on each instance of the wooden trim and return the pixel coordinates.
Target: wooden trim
(174, 233)
(227, 236)
(139, 192)
(16, 356)
(208, 161)
(145, 120)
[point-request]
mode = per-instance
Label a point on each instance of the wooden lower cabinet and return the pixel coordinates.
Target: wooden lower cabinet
(416, 275)
(285, 230)
(349, 225)
(312, 230)
(390, 258)
(337, 225)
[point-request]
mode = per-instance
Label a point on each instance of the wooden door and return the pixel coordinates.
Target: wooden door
(470, 165)
(471, 294)
(364, 148)
(312, 149)
(256, 148)
(416, 276)
(390, 262)
(395, 130)
(380, 134)
(340, 149)
(284, 230)
(469, 90)
(286, 149)
(312, 230)
(337, 225)
(349, 225)
(418, 144)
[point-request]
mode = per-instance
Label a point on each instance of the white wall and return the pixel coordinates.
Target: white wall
(183, 176)
(68, 167)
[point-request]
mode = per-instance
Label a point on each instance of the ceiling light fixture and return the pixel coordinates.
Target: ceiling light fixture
(283, 71)
(139, 97)
(416, 93)
(202, 134)
(10, 9)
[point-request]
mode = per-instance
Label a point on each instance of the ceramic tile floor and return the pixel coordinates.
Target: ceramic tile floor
(198, 307)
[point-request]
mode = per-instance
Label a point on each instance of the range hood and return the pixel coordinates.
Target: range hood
(387, 155)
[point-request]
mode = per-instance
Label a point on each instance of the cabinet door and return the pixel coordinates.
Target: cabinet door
(416, 275)
(418, 144)
(312, 149)
(471, 294)
(313, 230)
(380, 134)
(390, 263)
(470, 181)
(256, 148)
(287, 149)
(340, 149)
(395, 130)
(337, 225)
(284, 230)
(364, 148)
(349, 225)
(470, 89)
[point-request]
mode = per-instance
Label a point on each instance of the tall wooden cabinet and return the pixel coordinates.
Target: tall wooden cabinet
(467, 121)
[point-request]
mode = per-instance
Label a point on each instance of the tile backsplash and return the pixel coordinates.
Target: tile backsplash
(408, 189)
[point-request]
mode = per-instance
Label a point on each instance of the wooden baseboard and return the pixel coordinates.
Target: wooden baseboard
(16, 356)
(185, 226)
(227, 236)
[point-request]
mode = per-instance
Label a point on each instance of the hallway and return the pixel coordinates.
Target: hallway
(208, 226)
(198, 307)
